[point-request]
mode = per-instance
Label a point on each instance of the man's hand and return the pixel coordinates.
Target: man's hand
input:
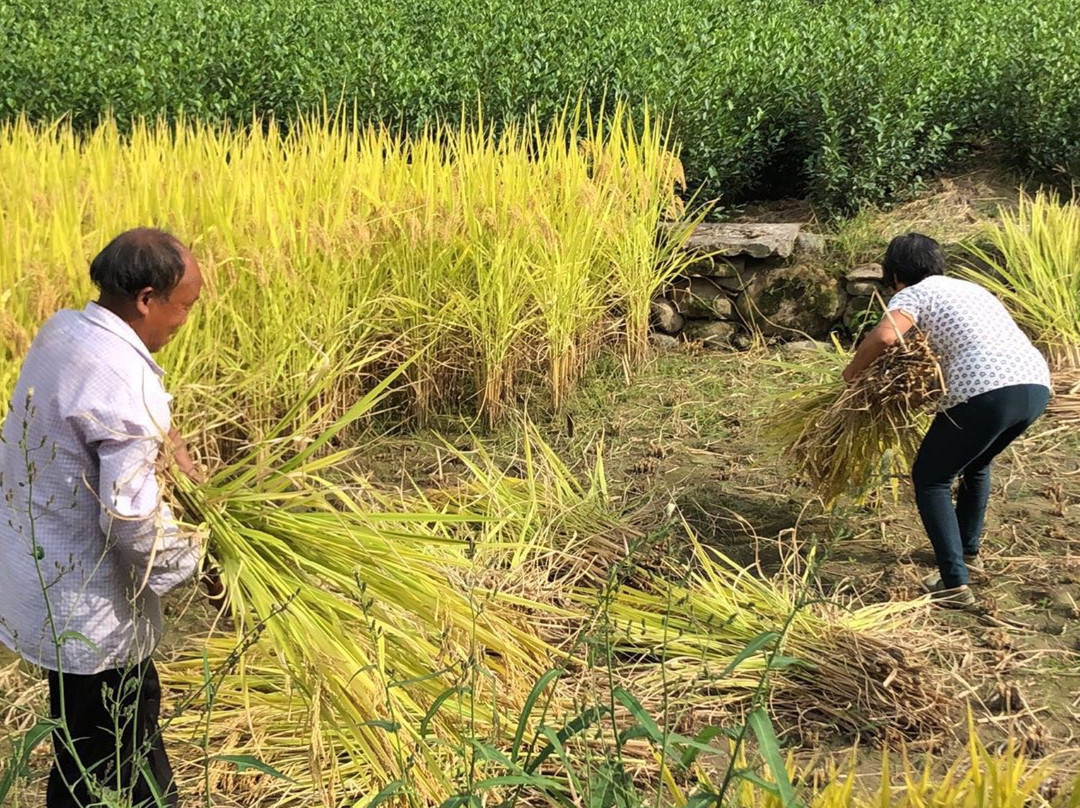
(211, 580)
(215, 589)
(182, 458)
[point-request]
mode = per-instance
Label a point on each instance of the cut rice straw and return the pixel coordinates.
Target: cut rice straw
(848, 438)
(1065, 404)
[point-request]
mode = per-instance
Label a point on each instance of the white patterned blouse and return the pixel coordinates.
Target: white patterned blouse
(979, 345)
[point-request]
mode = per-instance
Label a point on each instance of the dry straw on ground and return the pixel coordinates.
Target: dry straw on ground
(1065, 403)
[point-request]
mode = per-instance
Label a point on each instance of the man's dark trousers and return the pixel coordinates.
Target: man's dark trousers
(112, 738)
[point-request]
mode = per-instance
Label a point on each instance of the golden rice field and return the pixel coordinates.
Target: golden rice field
(495, 262)
(516, 632)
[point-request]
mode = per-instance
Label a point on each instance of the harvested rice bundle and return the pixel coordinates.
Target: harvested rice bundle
(844, 437)
(373, 614)
(860, 669)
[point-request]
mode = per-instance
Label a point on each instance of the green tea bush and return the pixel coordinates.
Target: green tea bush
(844, 100)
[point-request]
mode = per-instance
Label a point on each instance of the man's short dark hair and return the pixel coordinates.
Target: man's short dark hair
(912, 257)
(138, 259)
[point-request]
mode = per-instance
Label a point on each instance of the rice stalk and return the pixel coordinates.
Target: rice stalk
(1034, 264)
(975, 778)
(374, 615)
(497, 260)
(844, 438)
(853, 668)
(1065, 403)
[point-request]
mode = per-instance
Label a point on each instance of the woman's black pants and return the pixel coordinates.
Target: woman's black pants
(963, 441)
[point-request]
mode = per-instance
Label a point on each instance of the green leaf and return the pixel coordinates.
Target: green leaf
(645, 721)
(581, 722)
(389, 726)
(751, 776)
(459, 800)
(488, 752)
(534, 780)
(245, 762)
(434, 708)
(390, 790)
(700, 800)
(759, 721)
(19, 765)
(780, 662)
(755, 645)
(700, 744)
(560, 751)
(526, 710)
(155, 789)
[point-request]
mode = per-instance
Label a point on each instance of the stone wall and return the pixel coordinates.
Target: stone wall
(764, 277)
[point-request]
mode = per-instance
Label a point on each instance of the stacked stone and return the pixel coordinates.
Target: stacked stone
(866, 295)
(760, 277)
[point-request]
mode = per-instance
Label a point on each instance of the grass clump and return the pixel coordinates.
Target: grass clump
(1034, 263)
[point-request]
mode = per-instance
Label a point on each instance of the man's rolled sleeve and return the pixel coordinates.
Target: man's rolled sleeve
(134, 518)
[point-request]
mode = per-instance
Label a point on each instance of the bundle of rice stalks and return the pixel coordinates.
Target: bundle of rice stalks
(844, 438)
(377, 616)
(851, 668)
(545, 522)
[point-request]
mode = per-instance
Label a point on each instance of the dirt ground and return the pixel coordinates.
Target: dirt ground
(687, 431)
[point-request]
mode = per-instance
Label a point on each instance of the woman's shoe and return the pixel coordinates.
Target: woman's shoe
(973, 563)
(958, 597)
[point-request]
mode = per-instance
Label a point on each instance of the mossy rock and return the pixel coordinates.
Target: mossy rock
(861, 313)
(712, 333)
(793, 300)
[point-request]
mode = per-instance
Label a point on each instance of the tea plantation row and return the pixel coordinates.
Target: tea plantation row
(844, 100)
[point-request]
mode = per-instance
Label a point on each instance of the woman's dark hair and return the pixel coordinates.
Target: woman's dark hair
(912, 257)
(138, 259)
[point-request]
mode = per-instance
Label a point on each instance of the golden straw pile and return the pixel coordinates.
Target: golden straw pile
(1065, 403)
(887, 680)
(846, 438)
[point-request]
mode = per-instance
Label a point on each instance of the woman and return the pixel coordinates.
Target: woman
(997, 383)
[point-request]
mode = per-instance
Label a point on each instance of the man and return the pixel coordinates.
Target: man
(87, 548)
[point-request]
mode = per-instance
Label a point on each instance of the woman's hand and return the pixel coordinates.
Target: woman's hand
(889, 330)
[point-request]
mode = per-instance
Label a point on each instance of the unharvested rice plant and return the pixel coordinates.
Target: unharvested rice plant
(844, 100)
(496, 263)
(1034, 266)
(484, 539)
